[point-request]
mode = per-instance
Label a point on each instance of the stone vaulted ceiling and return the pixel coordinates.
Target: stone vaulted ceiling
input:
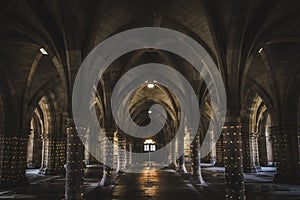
(255, 44)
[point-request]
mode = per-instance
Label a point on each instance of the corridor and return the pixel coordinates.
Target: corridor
(161, 184)
(150, 184)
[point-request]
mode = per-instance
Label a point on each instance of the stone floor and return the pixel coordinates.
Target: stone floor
(151, 184)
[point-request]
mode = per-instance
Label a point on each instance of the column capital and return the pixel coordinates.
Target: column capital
(108, 130)
(44, 136)
(278, 129)
(232, 119)
(253, 135)
(70, 122)
(19, 132)
(190, 129)
(232, 125)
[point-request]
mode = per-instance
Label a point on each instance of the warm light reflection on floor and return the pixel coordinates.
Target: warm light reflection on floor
(149, 181)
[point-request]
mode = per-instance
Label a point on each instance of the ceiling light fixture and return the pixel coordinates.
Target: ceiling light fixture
(43, 51)
(150, 85)
(149, 141)
(149, 111)
(260, 50)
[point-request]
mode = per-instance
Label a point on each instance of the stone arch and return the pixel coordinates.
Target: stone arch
(265, 141)
(41, 125)
(257, 142)
(42, 113)
(34, 146)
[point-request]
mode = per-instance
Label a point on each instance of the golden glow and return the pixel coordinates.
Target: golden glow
(149, 141)
(149, 182)
(150, 85)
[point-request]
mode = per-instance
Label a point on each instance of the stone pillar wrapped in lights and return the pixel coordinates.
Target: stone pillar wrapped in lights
(249, 161)
(219, 152)
(211, 156)
(286, 153)
(233, 161)
(60, 154)
(128, 154)
(181, 162)
(74, 164)
(13, 159)
(196, 176)
(173, 152)
(53, 158)
(21, 151)
(121, 152)
(108, 175)
(91, 148)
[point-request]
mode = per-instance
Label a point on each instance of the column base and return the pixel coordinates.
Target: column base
(121, 172)
(219, 164)
(14, 183)
(107, 180)
(52, 171)
(181, 170)
(173, 166)
(197, 180)
(289, 179)
(253, 169)
(76, 197)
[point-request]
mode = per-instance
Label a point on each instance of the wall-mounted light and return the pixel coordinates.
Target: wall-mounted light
(43, 51)
(149, 111)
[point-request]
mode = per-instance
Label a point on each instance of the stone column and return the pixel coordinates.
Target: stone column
(13, 160)
(108, 176)
(219, 152)
(298, 136)
(53, 155)
(173, 163)
(128, 154)
(181, 163)
(255, 152)
(36, 154)
(60, 155)
(91, 149)
(233, 161)
(21, 149)
(196, 176)
(75, 166)
(286, 154)
(211, 156)
(45, 152)
(263, 150)
(121, 153)
(250, 153)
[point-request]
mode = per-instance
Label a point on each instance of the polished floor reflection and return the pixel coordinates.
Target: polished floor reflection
(150, 184)
(154, 184)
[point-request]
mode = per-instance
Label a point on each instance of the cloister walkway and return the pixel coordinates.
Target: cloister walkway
(161, 184)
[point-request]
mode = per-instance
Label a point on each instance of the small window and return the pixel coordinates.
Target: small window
(152, 147)
(146, 147)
